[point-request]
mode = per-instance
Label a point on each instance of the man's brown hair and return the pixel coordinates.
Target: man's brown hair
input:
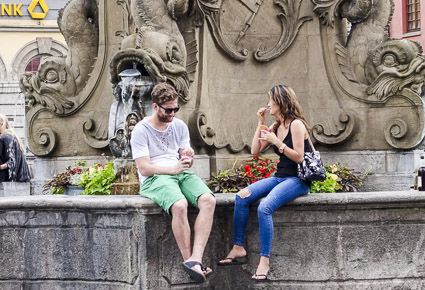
(163, 93)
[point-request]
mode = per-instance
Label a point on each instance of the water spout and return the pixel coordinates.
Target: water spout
(132, 103)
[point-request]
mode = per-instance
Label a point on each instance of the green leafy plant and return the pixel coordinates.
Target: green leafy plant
(98, 179)
(329, 185)
(228, 181)
(339, 178)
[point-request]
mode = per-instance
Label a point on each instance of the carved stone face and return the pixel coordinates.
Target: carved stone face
(55, 76)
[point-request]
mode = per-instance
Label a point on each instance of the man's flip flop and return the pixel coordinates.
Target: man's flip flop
(195, 275)
(232, 262)
(259, 278)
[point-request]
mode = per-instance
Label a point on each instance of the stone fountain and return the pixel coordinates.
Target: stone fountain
(361, 90)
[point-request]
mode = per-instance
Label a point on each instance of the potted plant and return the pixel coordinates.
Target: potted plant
(67, 182)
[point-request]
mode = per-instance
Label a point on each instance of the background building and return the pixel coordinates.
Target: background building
(407, 22)
(28, 32)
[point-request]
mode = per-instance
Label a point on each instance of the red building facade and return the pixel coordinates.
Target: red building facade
(408, 20)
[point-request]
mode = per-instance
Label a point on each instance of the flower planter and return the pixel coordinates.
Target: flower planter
(73, 190)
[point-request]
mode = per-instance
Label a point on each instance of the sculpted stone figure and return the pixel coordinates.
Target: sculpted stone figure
(59, 79)
(370, 67)
(156, 45)
(156, 52)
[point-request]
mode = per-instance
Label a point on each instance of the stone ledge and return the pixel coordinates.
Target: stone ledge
(346, 241)
(129, 202)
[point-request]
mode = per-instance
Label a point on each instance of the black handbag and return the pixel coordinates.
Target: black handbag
(311, 168)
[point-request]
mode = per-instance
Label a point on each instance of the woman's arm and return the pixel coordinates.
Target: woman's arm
(298, 133)
(258, 144)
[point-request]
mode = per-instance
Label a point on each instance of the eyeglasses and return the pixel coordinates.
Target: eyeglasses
(169, 110)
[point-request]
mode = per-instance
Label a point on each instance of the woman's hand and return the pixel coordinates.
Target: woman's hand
(261, 115)
(269, 137)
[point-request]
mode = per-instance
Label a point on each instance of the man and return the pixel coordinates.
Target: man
(161, 149)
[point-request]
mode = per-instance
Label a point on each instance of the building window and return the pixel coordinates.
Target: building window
(33, 65)
(413, 15)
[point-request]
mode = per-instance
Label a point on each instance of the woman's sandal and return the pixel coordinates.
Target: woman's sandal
(233, 261)
(258, 279)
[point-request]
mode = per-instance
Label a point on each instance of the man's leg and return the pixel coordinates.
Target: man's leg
(180, 226)
(203, 225)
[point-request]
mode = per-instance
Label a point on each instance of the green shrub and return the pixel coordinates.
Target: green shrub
(339, 178)
(98, 179)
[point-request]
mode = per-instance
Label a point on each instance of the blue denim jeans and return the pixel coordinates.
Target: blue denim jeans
(277, 192)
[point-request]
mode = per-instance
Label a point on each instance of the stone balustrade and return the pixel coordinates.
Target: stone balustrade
(373, 240)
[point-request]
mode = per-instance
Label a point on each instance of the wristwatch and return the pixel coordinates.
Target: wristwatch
(282, 148)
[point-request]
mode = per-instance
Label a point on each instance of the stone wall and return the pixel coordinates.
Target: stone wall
(322, 241)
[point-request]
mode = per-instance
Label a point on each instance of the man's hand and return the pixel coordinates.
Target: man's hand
(184, 164)
(187, 152)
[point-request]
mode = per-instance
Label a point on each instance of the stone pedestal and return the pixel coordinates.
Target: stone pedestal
(126, 179)
(14, 189)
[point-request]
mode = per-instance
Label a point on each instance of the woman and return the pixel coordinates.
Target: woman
(13, 166)
(288, 136)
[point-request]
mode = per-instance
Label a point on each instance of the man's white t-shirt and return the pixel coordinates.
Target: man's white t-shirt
(161, 146)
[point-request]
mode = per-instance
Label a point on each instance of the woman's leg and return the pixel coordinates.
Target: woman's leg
(240, 219)
(243, 199)
(287, 190)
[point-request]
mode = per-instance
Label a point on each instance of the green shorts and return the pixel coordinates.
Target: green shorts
(165, 190)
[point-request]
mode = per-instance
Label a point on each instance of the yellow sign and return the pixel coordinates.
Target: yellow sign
(6, 9)
(43, 6)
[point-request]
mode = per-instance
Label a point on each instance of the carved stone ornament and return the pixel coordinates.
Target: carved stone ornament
(290, 19)
(344, 132)
(200, 128)
(373, 69)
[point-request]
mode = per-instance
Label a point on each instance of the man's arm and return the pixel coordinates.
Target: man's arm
(148, 169)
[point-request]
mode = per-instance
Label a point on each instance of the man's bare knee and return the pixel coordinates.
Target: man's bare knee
(244, 193)
(206, 200)
(179, 207)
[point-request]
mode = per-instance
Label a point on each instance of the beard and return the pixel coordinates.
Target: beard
(165, 118)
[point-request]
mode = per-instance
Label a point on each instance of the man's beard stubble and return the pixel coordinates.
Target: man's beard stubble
(165, 118)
